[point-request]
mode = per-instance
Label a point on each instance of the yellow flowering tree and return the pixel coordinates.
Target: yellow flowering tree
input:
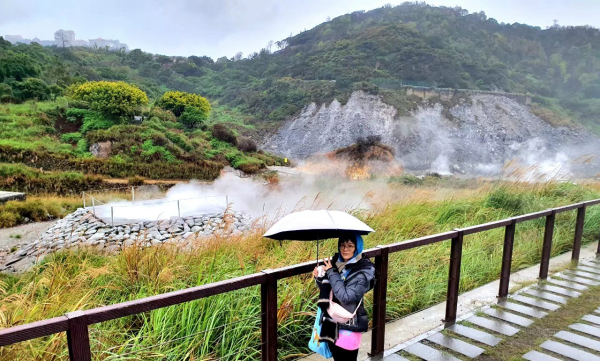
(109, 98)
(177, 102)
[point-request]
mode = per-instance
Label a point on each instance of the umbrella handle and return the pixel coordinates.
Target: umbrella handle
(317, 253)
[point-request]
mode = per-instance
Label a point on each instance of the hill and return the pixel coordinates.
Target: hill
(377, 51)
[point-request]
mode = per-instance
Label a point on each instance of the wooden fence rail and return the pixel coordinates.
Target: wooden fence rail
(76, 324)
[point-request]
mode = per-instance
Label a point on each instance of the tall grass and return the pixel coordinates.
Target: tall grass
(228, 326)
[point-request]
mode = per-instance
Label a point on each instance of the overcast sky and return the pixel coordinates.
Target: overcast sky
(224, 27)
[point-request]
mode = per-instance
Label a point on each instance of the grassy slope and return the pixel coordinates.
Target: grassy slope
(417, 278)
(53, 136)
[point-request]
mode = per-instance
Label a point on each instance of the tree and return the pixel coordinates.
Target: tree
(238, 56)
(63, 38)
(32, 88)
(4, 43)
(177, 102)
(18, 66)
(109, 98)
(193, 117)
(137, 57)
(6, 93)
(163, 59)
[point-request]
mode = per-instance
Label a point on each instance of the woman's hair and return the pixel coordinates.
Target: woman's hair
(347, 236)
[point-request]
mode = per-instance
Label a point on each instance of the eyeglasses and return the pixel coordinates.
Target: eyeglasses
(348, 246)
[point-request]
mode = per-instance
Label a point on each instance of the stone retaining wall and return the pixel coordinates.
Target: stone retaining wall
(82, 229)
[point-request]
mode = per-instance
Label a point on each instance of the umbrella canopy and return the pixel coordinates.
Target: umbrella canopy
(316, 225)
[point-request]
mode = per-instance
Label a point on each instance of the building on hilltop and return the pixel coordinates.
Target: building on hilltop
(80, 42)
(66, 38)
(111, 44)
(15, 38)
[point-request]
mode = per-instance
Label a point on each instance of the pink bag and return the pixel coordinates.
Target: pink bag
(348, 340)
(339, 313)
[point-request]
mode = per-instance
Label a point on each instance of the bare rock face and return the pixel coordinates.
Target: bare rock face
(327, 128)
(101, 149)
(475, 135)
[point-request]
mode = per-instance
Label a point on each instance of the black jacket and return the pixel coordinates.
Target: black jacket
(348, 294)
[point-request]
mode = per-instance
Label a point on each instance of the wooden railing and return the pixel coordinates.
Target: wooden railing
(76, 323)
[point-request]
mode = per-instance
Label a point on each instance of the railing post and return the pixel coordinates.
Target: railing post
(132, 194)
(578, 233)
(112, 217)
(509, 239)
(379, 303)
(547, 247)
(94, 205)
(268, 303)
(178, 209)
(598, 249)
(83, 196)
(78, 338)
(454, 278)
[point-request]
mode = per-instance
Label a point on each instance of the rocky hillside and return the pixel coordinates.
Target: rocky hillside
(474, 135)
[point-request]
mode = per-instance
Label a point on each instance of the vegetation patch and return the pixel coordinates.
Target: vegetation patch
(417, 278)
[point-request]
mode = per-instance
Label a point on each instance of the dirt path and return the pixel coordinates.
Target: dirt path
(146, 181)
(27, 232)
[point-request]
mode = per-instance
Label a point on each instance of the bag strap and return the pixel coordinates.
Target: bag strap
(331, 301)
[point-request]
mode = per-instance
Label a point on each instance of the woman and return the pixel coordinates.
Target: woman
(349, 276)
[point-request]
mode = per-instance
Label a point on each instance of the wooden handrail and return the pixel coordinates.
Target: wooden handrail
(76, 323)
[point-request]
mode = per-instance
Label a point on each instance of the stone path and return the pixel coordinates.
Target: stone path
(471, 337)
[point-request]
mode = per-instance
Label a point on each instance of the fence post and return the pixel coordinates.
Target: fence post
(547, 248)
(454, 278)
(94, 205)
(578, 233)
(112, 217)
(268, 303)
(78, 338)
(178, 209)
(132, 194)
(509, 239)
(83, 196)
(379, 302)
(598, 249)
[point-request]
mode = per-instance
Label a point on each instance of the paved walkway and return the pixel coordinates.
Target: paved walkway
(476, 336)
(415, 327)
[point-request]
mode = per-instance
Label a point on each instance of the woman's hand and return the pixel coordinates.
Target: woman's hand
(327, 263)
(316, 272)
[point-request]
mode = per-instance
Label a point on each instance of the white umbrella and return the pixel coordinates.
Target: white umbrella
(316, 225)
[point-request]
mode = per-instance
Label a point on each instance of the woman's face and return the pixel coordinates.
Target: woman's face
(347, 249)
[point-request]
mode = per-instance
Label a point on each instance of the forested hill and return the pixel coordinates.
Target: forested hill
(377, 51)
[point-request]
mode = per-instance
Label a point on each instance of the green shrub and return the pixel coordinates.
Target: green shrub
(193, 117)
(136, 181)
(14, 213)
(32, 88)
(89, 119)
(151, 152)
(221, 132)
(72, 138)
(162, 114)
(246, 144)
(179, 140)
(83, 147)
